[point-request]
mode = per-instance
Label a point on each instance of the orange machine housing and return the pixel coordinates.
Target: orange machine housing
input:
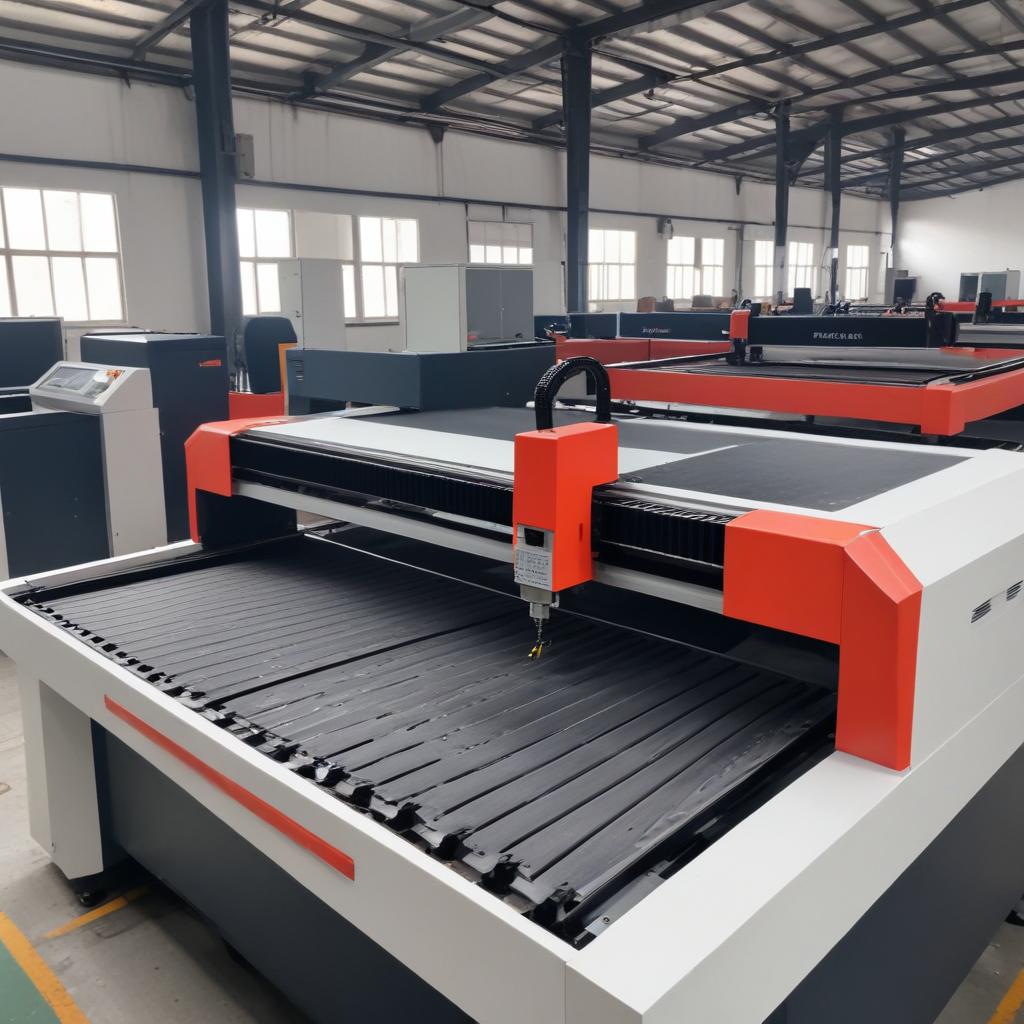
(839, 582)
(556, 472)
(208, 460)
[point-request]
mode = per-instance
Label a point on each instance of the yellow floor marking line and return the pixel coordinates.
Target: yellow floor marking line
(1007, 1010)
(39, 973)
(94, 915)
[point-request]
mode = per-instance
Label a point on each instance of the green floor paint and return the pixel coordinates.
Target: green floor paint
(20, 1002)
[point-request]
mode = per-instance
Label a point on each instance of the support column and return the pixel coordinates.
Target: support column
(834, 184)
(781, 200)
(576, 85)
(899, 140)
(216, 133)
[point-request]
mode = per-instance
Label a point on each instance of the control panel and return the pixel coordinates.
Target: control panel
(92, 389)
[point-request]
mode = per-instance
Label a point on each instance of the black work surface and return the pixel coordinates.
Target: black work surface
(411, 695)
(753, 466)
(504, 424)
(817, 476)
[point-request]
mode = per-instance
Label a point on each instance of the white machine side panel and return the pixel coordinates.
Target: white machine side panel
(971, 641)
(323, 304)
(35, 761)
(496, 966)
(76, 842)
(433, 309)
(731, 935)
(136, 514)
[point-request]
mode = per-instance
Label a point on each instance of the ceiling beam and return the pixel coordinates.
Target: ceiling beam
(649, 80)
(936, 161)
(689, 125)
(964, 171)
(362, 35)
(962, 131)
(866, 124)
(378, 53)
(956, 190)
(643, 14)
(164, 27)
(828, 39)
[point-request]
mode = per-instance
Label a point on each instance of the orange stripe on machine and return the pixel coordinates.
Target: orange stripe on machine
(278, 820)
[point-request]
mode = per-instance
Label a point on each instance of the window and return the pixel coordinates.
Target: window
(59, 255)
(264, 237)
(801, 266)
(500, 242)
(681, 277)
(857, 263)
(764, 269)
(695, 266)
(712, 266)
(384, 244)
(612, 266)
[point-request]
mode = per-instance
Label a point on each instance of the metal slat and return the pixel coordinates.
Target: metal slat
(411, 695)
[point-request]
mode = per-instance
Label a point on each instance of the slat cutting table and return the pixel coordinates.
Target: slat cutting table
(750, 732)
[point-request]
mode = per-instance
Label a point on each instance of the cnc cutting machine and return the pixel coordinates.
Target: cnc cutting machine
(563, 718)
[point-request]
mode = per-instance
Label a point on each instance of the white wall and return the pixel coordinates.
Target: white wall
(940, 238)
(83, 117)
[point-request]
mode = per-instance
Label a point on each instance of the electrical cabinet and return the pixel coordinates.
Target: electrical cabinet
(454, 307)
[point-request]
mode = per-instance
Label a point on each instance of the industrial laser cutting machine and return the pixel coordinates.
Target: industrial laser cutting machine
(770, 729)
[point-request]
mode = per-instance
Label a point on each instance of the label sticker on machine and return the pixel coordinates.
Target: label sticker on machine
(532, 562)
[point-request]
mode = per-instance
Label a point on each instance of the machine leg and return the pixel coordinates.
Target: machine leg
(63, 791)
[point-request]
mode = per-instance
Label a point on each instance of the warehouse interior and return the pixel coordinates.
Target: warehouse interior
(510, 511)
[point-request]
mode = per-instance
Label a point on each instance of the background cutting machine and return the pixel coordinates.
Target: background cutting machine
(80, 471)
(773, 734)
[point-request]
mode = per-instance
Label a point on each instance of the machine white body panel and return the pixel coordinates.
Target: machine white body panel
(122, 397)
(313, 298)
(432, 303)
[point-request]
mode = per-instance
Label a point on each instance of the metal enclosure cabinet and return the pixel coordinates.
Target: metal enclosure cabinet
(190, 386)
(490, 375)
(52, 500)
(452, 307)
(313, 298)
(121, 398)
(1000, 284)
(28, 348)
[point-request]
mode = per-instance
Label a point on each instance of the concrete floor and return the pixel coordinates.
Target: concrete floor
(155, 961)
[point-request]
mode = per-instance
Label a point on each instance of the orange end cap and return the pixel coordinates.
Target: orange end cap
(739, 324)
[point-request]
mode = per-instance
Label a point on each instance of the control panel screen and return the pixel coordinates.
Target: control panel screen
(77, 380)
(68, 378)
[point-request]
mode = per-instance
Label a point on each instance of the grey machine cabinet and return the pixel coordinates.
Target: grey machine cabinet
(455, 307)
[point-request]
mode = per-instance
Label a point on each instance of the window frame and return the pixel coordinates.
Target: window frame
(862, 270)
(698, 268)
(592, 266)
(768, 268)
(360, 263)
(257, 260)
(794, 269)
(502, 262)
(8, 253)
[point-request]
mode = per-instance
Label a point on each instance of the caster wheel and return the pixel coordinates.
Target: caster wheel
(1015, 917)
(91, 897)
